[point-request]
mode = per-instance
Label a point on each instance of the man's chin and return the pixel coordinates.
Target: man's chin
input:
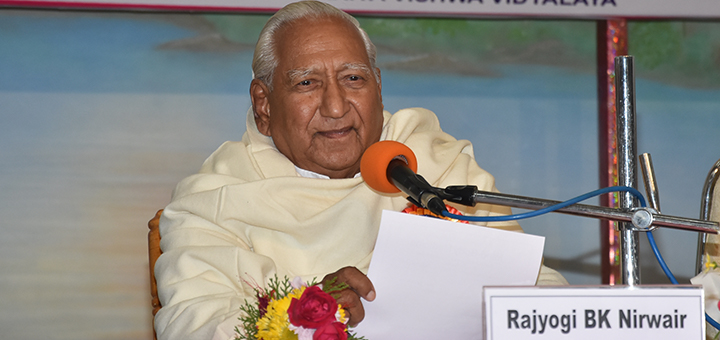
(349, 166)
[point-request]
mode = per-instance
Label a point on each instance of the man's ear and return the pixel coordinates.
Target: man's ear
(379, 80)
(261, 105)
(379, 84)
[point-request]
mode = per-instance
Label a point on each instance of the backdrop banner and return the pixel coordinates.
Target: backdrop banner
(580, 9)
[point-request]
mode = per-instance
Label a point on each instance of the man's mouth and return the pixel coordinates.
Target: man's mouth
(339, 133)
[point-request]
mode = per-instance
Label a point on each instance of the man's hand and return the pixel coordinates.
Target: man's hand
(349, 299)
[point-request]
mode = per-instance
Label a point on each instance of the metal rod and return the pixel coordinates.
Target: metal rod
(706, 210)
(651, 187)
(627, 153)
(584, 210)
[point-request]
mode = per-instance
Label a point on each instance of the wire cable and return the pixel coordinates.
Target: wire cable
(670, 275)
(660, 259)
(551, 208)
(712, 321)
(633, 191)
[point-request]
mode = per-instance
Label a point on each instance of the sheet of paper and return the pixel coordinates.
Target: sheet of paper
(429, 273)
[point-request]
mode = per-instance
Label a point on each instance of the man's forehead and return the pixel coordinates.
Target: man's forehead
(322, 46)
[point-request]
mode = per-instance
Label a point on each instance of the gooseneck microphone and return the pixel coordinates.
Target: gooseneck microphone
(390, 166)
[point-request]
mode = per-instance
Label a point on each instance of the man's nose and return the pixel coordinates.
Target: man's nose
(335, 103)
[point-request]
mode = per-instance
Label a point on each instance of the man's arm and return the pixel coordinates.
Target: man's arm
(550, 277)
(198, 277)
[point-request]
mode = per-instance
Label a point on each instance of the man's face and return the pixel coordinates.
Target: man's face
(325, 108)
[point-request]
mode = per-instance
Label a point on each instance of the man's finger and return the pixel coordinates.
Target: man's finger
(357, 281)
(354, 310)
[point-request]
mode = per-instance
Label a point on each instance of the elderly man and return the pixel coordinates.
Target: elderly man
(288, 200)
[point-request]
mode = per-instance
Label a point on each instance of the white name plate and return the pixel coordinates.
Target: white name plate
(594, 312)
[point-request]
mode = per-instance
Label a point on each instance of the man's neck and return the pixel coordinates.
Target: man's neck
(311, 174)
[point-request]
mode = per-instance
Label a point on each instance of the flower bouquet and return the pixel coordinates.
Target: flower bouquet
(294, 310)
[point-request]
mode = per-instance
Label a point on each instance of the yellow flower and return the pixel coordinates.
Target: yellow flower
(709, 263)
(340, 315)
(274, 324)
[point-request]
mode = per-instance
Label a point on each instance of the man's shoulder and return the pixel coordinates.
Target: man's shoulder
(224, 166)
(418, 113)
(229, 151)
(406, 122)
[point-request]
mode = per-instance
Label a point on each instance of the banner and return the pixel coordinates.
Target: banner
(579, 9)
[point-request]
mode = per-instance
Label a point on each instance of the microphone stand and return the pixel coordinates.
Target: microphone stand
(635, 219)
(640, 219)
(626, 131)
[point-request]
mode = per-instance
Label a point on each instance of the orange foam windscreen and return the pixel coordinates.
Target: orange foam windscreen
(375, 161)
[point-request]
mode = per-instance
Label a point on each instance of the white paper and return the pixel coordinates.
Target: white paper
(428, 275)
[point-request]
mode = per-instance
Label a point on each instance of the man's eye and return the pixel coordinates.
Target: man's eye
(354, 78)
(305, 83)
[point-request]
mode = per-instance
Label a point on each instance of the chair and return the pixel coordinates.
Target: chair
(709, 245)
(154, 252)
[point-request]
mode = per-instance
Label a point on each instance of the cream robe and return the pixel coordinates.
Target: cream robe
(247, 215)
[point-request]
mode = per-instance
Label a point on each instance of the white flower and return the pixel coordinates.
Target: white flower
(297, 283)
(302, 332)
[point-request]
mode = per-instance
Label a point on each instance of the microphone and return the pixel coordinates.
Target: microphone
(390, 166)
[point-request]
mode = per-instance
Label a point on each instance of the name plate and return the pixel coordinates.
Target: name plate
(594, 312)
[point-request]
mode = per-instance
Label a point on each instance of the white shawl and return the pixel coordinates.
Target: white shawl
(247, 215)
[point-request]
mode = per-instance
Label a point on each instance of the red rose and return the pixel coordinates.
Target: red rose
(332, 331)
(263, 302)
(314, 309)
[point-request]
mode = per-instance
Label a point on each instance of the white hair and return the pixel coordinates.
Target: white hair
(265, 59)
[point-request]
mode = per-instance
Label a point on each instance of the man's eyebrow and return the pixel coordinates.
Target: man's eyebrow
(299, 73)
(357, 66)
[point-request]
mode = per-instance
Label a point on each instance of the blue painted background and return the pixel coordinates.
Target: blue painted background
(98, 122)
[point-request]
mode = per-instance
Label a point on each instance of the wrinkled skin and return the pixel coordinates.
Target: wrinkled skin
(326, 107)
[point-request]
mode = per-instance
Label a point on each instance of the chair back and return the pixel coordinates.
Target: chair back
(153, 254)
(709, 245)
